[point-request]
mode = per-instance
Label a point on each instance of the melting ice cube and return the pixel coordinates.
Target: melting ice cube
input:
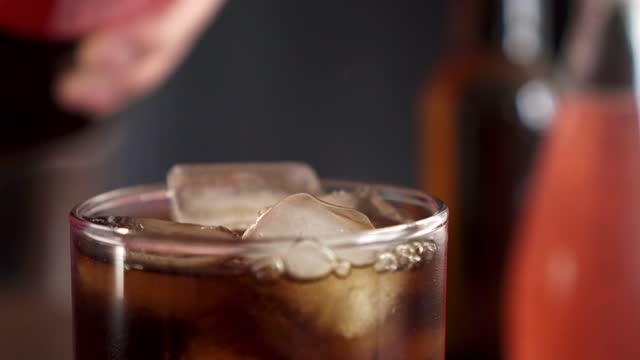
(350, 308)
(164, 252)
(125, 225)
(233, 194)
(304, 217)
(369, 201)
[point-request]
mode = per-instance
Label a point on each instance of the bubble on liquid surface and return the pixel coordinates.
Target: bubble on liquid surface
(417, 247)
(406, 256)
(233, 194)
(430, 249)
(413, 255)
(386, 262)
(342, 269)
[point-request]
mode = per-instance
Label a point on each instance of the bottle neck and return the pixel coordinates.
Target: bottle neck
(519, 29)
(598, 54)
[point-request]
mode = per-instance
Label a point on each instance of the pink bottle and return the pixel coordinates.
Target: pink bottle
(575, 271)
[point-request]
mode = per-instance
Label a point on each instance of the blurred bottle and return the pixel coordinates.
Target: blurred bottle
(483, 110)
(575, 280)
(50, 159)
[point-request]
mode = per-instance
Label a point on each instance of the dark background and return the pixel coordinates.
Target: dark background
(333, 83)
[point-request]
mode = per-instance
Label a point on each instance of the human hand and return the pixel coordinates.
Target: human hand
(117, 65)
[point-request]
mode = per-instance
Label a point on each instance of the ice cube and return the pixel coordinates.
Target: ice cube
(267, 269)
(341, 309)
(233, 194)
(168, 238)
(341, 198)
(367, 200)
(307, 259)
(304, 217)
(125, 225)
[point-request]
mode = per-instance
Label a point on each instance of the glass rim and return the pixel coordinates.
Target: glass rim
(189, 245)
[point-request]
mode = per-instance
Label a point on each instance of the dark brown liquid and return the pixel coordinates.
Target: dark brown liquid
(198, 313)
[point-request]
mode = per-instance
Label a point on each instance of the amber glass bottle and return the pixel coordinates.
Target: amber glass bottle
(483, 110)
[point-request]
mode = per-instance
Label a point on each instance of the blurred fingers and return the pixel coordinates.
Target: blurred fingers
(116, 66)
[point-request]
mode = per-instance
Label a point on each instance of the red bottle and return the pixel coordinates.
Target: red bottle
(575, 279)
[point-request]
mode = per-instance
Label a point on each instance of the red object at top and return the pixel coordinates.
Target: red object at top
(64, 19)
